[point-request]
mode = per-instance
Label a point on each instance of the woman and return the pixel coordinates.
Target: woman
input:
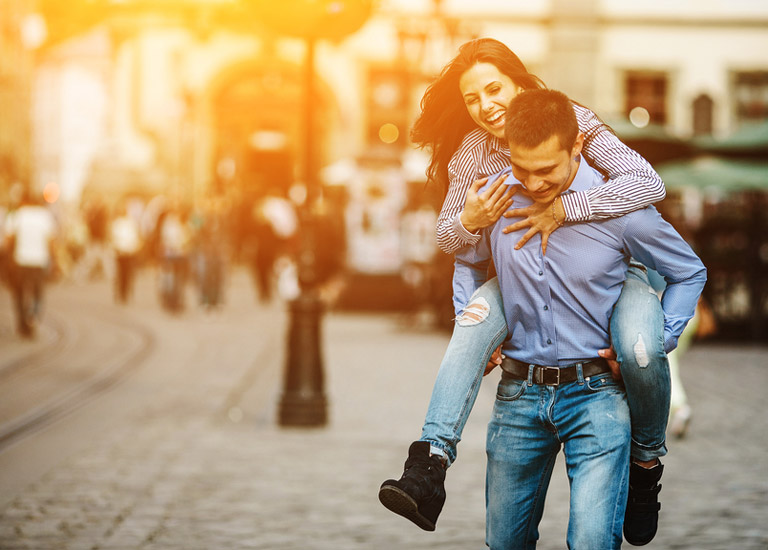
(462, 124)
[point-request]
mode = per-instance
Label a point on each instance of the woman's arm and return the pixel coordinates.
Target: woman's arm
(465, 211)
(633, 183)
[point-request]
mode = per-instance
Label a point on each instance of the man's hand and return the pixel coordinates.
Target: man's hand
(494, 361)
(539, 218)
(610, 357)
(483, 209)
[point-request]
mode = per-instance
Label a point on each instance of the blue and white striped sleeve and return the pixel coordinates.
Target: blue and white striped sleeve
(633, 182)
(462, 172)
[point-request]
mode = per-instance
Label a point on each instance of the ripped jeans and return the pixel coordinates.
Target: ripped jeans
(637, 334)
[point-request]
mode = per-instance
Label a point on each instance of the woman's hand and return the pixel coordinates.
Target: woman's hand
(541, 218)
(494, 361)
(483, 209)
(610, 357)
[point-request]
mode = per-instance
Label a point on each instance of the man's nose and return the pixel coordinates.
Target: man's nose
(533, 183)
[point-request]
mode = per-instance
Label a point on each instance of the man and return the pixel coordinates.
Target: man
(555, 390)
(30, 232)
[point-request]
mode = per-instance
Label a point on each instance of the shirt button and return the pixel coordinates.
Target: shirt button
(549, 341)
(546, 308)
(541, 273)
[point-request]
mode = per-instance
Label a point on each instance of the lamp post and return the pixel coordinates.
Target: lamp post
(303, 402)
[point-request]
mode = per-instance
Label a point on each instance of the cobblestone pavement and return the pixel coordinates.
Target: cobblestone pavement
(186, 454)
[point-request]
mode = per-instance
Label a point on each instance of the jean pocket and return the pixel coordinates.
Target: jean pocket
(510, 388)
(603, 382)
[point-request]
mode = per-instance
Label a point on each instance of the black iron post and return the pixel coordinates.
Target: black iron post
(303, 401)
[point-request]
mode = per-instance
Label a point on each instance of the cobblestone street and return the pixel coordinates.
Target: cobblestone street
(185, 452)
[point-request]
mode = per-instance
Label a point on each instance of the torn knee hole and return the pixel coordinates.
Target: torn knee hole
(641, 352)
(475, 312)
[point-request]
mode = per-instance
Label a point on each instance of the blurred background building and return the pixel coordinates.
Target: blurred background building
(192, 98)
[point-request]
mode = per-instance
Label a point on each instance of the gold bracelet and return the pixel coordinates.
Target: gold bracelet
(554, 216)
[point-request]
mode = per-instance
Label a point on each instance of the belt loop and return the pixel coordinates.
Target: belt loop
(580, 373)
(531, 368)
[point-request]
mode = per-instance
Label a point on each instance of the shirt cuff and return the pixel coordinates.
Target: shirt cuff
(466, 236)
(670, 344)
(576, 207)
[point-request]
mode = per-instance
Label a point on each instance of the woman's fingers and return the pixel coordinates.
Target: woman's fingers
(522, 224)
(518, 212)
(477, 184)
(525, 238)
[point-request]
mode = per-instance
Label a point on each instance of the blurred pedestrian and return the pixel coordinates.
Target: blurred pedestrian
(329, 237)
(418, 252)
(4, 256)
(30, 233)
(275, 226)
(211, 252)
(174, 247)
(701, 326)
(126, 244)
(96, 261)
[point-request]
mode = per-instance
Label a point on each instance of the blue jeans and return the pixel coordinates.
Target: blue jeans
(637, 333)
(589, 418)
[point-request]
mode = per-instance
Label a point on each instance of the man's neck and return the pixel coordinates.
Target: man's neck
(575, 163)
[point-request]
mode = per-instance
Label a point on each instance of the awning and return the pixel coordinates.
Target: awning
(751, 140)
(716, 173)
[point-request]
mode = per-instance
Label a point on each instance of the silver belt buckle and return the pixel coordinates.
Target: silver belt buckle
(549, 376)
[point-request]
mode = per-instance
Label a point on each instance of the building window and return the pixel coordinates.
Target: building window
(702, 115)
(648, 91)
(751, 95)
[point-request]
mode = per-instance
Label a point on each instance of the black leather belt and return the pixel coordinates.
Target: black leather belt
(553, 376)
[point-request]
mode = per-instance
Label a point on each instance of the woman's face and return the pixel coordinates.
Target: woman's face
(487, 92)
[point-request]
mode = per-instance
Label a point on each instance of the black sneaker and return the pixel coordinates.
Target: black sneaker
(419, 494)
(642, 516)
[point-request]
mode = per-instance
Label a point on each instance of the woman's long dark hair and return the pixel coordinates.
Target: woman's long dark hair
(444, 120)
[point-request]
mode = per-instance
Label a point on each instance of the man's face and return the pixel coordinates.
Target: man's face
(547, 169)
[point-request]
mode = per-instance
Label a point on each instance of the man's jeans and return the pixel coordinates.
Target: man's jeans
(637, 328)
(589, 418)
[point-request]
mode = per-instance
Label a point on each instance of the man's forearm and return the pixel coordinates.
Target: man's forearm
(679, 304)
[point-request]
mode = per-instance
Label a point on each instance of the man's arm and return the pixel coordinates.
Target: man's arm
(654, 242)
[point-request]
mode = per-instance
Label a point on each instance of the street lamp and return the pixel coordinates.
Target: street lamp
(303, 401)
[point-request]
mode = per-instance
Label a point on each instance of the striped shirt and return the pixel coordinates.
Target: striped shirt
(633, 183)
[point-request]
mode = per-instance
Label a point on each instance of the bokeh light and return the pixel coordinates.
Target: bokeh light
(640, 117)
(51, 192)
(389, 133)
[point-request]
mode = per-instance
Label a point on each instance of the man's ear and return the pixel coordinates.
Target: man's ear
(578, 145)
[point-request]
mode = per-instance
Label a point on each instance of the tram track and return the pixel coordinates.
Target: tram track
(66, 373)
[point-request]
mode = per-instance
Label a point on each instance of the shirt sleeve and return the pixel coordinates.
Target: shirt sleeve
(470, 271)
(653, 241)
(462, 172)
(633, 183)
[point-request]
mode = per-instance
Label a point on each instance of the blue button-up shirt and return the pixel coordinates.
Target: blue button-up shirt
(558, 306)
